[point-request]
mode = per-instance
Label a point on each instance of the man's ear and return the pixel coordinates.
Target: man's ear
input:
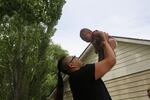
(71, 65)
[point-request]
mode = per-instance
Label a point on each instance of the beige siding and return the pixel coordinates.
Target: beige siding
(131, 58)
(131, 87)
(67, 93)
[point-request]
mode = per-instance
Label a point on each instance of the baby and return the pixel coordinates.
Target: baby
(96, 38)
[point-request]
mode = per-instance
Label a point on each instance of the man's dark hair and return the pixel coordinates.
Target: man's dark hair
(60, 85)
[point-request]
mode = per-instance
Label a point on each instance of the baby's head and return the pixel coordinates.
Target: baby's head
(86, 34)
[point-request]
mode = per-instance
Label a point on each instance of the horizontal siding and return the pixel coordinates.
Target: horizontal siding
(133, 61)
(131, 58)
(127, 48)
(128, 85)
(130, 96)
(132, 55)
(131, 87)
(130, 52)
(128, 78)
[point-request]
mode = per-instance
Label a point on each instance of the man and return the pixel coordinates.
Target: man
(85, 80)
(96, 39)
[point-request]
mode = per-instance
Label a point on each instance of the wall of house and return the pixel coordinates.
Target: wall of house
(130, 87)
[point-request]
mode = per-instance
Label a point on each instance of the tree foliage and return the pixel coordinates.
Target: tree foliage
(27, 54)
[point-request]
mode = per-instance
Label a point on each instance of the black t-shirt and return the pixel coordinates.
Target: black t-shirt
(84, 86)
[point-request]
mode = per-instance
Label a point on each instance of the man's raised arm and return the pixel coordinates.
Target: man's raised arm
(109, 60)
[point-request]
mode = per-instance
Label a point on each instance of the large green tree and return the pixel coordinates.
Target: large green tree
(27, 54)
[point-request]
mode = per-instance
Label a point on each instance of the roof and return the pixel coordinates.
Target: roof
(132, 40)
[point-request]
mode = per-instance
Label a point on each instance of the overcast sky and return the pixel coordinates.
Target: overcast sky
(125, 18)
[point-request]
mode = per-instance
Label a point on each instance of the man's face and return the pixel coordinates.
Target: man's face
(74, 62)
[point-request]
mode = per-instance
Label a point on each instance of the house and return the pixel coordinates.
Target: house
(130, 77)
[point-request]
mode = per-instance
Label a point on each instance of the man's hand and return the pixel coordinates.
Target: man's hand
(104, 36)
(112, 42)
(99, 34)
(109, 60)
